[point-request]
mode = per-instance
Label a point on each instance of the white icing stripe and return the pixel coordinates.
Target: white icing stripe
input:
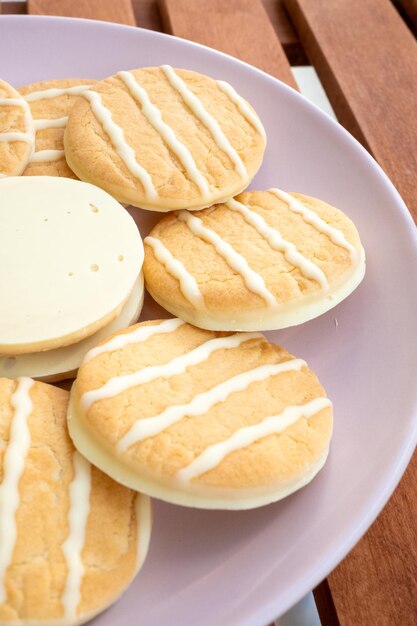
(203, 402)
(135, 336)
(243, 107)
(204, 116)
(277, 242)
(154, 117)
(311, 217)
(79, 509)
(188, 285)
(12, 102)
(253, 281)
(244, 437)
(54, 92)
(46, 155)
(178, 365)
(57, 122)
(16, 136)
(116, 136)
(143, 512)
(13, 466)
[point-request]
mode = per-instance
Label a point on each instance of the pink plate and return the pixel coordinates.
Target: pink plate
(231, 568)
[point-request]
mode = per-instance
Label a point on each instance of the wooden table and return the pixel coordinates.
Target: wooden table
(366, 57)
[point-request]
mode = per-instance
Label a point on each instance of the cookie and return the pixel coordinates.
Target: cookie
(62, 363)
(50, 102)
(69, 255)
(199, 418)
(263, 260)
(164, 139)
(17, 133)
(59, 563)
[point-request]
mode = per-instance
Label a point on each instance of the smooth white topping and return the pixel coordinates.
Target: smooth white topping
(144, 526)
(188, 284)
(204, 116)
(253, 281)
(118, 384)
(56, 122)
(244, 437)
(311, 217)
(277, 242)
(117, 137)
(79, 495)
(203, 402)
(16, 136)
(13, 467)
(154, 117)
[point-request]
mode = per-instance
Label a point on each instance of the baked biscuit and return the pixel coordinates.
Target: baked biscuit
(62, 363)
(17, 133)
(59, 563)
(164, 139)
(70, 256)
(199, 418)
(263, 260)
(50, 102)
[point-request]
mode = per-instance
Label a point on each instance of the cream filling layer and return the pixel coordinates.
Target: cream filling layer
(51, 363)
(191, 494)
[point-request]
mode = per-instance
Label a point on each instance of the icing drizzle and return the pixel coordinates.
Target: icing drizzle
(154, 117)
(13, 466)
(311, 217)
(173, 266)
(118, 384)
(54, 92)
(244, 437)
(135, 336)
(117, 137)
(46, 155)
(79, 495)
(205, 118)
(277, 242)
(243, 107)
(253, 281)
(55, 122)
(203, 402)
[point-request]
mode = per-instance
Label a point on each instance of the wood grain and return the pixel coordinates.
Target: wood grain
(147, 14)
(119, 11)
(366, 58)
(238, 27)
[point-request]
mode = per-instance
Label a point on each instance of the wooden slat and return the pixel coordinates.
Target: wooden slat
(287, 36)
(119, 11)
(367, 61)
(147, 14)
(14, 8)
(239, 27)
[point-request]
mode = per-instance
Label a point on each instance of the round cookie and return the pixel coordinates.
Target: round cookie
(62, 363)
(164, 139)
(261, 261)
(70, 256)
(200, 418)
(59, 563)
(17, 133)
(50, 102)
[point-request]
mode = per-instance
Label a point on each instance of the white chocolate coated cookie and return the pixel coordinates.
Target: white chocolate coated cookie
(50, 102)
(61, 363)
(69, 257)
(17, 133)
(59, 563)
(200, 418)
(261, 261)
(164, 139)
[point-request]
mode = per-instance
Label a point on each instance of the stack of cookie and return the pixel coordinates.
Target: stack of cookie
(199, 409)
